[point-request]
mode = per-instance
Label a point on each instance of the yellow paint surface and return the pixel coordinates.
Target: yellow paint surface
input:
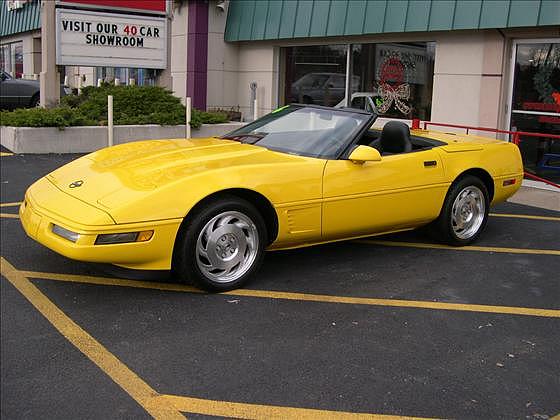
(462, 248)
(157, 405)
(254, 411)
(89, 346)
(268, 294)
(2, 154)
(10, 204)
(525, 216)
(315, 200)
(9, 216)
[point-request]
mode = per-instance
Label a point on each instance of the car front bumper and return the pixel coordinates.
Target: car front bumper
(38, 220)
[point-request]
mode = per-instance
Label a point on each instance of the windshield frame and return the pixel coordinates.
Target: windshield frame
(246, 129)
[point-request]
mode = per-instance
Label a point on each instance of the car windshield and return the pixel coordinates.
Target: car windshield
(4, 75)
(305, 131)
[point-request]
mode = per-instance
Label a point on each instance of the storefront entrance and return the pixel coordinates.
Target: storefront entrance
(535, 103)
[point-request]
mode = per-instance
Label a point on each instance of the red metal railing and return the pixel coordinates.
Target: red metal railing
(516, 138)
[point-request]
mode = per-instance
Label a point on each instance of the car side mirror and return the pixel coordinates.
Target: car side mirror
(362, 154)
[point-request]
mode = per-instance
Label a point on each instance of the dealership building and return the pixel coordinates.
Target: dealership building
(486, 63)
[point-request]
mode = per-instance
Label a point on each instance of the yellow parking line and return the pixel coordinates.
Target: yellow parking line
(89, 346)
(255, 411)
(10, 204)
(525, 216)
(157, 405)
(111, 281)
(2, 154)
(462, 248)
(9, 216)
(269, 294)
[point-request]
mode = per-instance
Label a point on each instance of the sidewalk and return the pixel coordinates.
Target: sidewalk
(537, 194)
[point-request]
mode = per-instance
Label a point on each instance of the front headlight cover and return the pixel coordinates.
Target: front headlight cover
(65, 233)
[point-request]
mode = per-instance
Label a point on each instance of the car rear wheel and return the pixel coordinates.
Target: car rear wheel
(35, 101)
(222, 245)
(464, 213)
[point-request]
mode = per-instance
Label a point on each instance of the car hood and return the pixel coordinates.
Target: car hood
(120, 174)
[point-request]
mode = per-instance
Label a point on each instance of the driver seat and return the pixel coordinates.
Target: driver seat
(395, 138)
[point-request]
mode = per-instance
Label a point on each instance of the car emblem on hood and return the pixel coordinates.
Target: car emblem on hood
(76, 184)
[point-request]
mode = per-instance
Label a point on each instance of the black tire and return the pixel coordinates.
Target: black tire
(445, 229)
(189, 263)
(35, 100)
(307, 100)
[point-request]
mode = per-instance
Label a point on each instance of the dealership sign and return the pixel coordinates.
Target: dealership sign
(137, 6)
(88, 38)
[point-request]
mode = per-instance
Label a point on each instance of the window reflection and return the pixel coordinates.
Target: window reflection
(536, 106)
(397, 77)
(315, 74)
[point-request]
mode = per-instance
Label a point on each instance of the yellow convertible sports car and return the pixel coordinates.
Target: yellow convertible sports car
(301, 175)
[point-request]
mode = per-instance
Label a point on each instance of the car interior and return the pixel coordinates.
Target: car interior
(395, 138)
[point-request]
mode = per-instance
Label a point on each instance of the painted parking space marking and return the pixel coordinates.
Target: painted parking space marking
(159, 406)
(462, 248)
(254, 411)
(9, 216)
(10, 204)
(525, 216)
(270, 294)
(89, 346)
(2, 154)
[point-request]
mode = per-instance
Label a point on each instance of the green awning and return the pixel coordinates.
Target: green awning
(252, 20)
(26, 18)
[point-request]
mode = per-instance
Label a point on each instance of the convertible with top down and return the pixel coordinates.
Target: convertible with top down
(302, 175)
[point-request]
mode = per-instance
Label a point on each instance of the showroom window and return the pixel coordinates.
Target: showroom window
(315, 74)
(535, 104)
(141, 77)
(398, 77)
(11, 59)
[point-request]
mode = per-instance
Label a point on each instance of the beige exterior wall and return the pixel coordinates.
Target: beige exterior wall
(258, 63)
(223, 61)
(178, 51)
(468, 77)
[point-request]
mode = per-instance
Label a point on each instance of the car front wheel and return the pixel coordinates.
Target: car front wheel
(222, 245)
(464, 213)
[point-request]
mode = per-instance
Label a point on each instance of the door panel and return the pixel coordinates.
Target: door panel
(8, 95)
(398, 192)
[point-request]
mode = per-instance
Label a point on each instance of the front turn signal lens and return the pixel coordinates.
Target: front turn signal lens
(145, 236)
(123, 238)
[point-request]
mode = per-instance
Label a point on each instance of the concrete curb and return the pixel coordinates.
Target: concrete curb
(88, 139)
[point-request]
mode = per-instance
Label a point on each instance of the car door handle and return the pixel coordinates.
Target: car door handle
(429, 163)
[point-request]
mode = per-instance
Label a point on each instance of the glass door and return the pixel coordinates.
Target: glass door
(535, 104)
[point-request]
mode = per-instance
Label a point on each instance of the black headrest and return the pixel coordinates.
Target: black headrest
(395, 137)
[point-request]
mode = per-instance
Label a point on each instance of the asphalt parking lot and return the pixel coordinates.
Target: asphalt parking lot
(388, 326)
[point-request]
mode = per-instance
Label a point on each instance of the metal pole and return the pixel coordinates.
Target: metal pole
(109, 120)
(348, 90)
(255, 110)
(188, 124)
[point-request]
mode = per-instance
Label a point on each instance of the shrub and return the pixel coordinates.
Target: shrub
(132, 105)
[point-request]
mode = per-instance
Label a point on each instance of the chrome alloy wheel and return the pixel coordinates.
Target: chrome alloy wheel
(468, 211)
(227, 247)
